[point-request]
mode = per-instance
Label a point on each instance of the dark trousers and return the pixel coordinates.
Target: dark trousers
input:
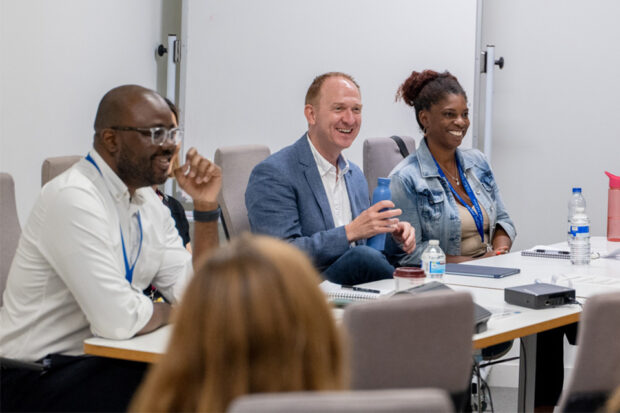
(71, 383)
(360, 264)
(550, 363)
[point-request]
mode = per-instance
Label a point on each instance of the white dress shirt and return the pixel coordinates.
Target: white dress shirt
(67, 280)
(335, 186)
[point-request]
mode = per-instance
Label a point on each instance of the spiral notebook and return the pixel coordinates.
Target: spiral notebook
(544, 252)
(340, 295)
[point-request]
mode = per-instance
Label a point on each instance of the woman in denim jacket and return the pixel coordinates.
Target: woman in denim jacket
(447, 193)
(450, 194)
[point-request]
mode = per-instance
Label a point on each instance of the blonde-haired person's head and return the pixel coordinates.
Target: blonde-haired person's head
(252, 320)
(613, 403)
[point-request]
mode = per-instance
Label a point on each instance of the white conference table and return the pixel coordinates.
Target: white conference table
(508, 321)
(146, 348)
(601, 275)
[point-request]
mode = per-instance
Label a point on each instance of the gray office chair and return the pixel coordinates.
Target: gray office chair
(411, 342)
(381, 155)
(596, 371)
(237, 163)
(10, 229)
(56, 165)
(371, 401)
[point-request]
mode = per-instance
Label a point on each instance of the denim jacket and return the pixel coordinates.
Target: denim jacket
(429, 205)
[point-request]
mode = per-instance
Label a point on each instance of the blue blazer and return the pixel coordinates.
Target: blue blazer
(285, 198)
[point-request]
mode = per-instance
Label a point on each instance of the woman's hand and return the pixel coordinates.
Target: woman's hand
(501, 241)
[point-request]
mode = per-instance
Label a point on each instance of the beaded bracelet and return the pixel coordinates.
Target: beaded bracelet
(207, 216)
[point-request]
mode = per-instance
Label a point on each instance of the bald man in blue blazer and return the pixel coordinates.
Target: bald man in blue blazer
(310, 195)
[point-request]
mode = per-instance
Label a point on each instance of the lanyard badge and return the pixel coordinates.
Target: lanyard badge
(477, 213)
(128, 268)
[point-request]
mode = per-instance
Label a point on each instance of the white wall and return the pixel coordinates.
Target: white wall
(554, 98)
(556, 109)
(58, 59)
(247, 64)
(555, 117)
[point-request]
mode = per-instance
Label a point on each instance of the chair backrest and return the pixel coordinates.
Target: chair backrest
(237, 163)
(410, 342)
(387, 401)
(597, 364)
(380, 156)
(10, 229)
(56, 165)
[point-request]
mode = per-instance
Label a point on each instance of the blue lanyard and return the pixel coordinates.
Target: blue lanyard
(91, 160)
(477, 214)
(128, 268)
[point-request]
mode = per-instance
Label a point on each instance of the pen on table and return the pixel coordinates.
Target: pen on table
(366, 290)
(506, 313)
(552, 251)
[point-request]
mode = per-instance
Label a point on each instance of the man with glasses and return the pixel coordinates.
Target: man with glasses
(97, 236)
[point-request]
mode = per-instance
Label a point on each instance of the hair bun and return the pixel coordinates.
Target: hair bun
(414, 84)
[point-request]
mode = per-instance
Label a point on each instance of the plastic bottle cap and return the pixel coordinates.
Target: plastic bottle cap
(409, 272)
(578, 190)
(433, 242)
(614, 181)
(383, 181)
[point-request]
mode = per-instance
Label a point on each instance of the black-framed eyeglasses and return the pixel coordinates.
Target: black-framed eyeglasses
(159, 135)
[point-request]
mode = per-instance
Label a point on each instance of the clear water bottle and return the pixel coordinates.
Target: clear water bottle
(381, 193)
(579, 237)
(576, 200)
(434, 260)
